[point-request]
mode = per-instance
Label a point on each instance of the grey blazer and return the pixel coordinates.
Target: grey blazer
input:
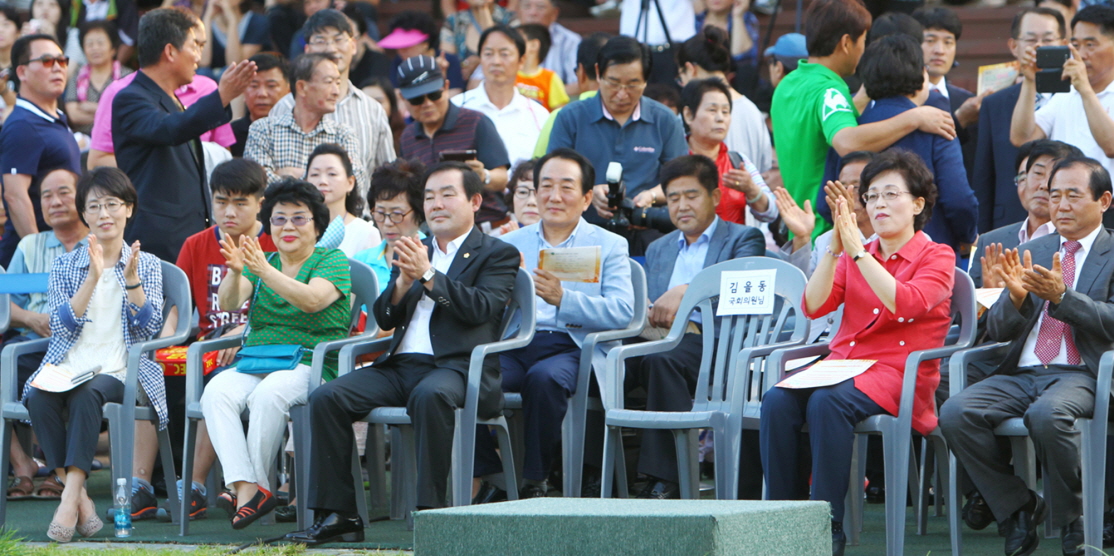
(1087, 309)
(729, 241)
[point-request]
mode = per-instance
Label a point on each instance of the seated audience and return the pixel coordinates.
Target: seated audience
(460, 34)
(546, 370)
(283, 141)
(237, 187)
(440, 125)
(396, 207)
(299, 296)
(1057, 326)
(381, 90)
(883, 287)
(99, 42)
(586, 78)
(561, 58)
(30, 313)
(702, 239)
(534, 81)
(269, 84)
(123, 13)
(104, 298)
(418, 371)
(414, 33)
(522, 197)
(330, 170)
(1091, 72)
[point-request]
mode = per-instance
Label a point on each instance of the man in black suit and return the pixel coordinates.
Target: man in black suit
(995, 155)
(1057, 312)
(156, 139)
(446, 296)
(1035, 161)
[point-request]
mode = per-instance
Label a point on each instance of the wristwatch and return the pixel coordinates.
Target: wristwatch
(859, 255)
(429, 274)
(487, 176)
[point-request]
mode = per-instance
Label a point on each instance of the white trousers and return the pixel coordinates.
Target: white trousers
(268, 399)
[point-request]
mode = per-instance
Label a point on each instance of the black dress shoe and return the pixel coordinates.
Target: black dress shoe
(286, 514)
(875, 494)
(330, 527)
(661, 490)
(489, 493)
(839, 538)
(1108, 528)
(1022, 537)
(530, 491)
(976, 513)
(1071, 537)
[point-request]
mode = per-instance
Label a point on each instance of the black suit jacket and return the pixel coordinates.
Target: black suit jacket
(158, 147)
(468, 311)
(1087, 309)
(1006, 235)
(996, 163)
(968, 136)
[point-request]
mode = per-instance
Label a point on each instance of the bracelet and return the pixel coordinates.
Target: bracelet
(131, 287)
(829, 249)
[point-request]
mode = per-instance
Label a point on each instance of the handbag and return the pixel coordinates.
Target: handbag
(269, 358)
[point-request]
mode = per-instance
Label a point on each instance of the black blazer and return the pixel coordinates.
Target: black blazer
(968, 136)
(1088, 309)
(996, 163)
(158, 147)
(468, 311)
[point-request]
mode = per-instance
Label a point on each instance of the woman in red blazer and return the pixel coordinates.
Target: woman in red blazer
(896, 296)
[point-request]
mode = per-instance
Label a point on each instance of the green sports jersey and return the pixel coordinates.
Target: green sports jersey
(809, 107)
(274, 320)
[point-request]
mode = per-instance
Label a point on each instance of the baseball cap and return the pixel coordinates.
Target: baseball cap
(403, 38)
(790, 46)
(419, 75)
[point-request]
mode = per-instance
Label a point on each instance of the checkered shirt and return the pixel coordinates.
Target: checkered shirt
(277, 142)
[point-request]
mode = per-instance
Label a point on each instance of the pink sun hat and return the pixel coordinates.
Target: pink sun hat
(403, 38)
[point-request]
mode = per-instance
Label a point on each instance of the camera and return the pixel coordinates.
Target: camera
(1050, 69)
(624, 215)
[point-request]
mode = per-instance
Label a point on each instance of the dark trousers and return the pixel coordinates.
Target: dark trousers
(545, 372)
(430, 394)
(1050, 400)
(72, 442)
(831, 413)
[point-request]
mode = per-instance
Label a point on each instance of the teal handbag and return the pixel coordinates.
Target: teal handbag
(269, 358)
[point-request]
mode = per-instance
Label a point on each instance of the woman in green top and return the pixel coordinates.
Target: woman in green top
(299, 296)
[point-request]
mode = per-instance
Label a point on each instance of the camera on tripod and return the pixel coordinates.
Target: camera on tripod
(624, 215)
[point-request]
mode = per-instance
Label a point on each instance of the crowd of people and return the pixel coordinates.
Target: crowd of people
(261, 153)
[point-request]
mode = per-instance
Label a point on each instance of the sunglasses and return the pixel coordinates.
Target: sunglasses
(418, 101)
(49, 60)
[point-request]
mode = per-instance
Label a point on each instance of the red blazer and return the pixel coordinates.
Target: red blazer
(925, 272)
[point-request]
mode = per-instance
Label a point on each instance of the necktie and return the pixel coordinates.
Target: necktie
(1052, 330)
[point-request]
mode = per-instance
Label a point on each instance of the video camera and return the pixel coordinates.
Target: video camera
(624, 214)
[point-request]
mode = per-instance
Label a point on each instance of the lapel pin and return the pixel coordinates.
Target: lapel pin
(466, 255)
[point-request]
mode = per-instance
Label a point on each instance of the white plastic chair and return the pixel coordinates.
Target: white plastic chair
(740, 343)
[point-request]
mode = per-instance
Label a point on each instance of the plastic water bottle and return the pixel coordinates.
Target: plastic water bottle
(123, 517)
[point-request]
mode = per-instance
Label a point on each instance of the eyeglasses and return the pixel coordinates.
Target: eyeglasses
(48, 61)
(629, 87)
(524, 192)
(889, 196)
(1038, 41)
(326, 42)
(111, 206)
(418, 101)
(298, 220)
(396, 216)
(1019, 179)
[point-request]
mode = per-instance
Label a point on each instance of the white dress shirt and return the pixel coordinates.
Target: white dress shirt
(519, 123)
(1041, 231)
(1062, 118)
(416, 339)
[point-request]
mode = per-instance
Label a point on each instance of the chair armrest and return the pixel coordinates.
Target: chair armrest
(321, 350)
(346, 361)
(589, 348)
(957, 368)
(195, 364)
(779, 358)
(746, 358)
(8, 360)
(909, 381)
(1102, 387)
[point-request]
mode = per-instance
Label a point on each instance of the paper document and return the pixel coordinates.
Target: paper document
(988, 296)
(827, 373)
(54, 378)
(572, 264)
(997, 76)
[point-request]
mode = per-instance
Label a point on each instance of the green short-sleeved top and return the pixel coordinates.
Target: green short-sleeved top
(809, 107)
(274, 320)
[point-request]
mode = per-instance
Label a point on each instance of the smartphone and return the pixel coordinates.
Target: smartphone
(1052, 57)
(1051, 81)
(459, 156)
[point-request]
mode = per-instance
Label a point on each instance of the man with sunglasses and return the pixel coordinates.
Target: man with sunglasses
(35, 138)
(441, 127)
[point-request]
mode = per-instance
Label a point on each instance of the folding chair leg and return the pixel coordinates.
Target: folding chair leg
(853, 515)
(375, 456)
(612, 460)
(954, 531)
(190, 441)
(400, 506)
(688, 474)
(507, 454)
(896, 451)
(299, 414)
(572, 448)
(174, 502)
(1094, 482)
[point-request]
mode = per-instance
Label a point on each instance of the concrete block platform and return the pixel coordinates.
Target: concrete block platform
(573, 526)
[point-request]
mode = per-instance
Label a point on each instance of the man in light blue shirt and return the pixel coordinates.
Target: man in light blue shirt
(546, 371)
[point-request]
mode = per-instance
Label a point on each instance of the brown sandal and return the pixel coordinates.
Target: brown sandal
(52, 487)
(20, 488)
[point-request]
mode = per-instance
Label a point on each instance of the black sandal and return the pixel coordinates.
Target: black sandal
(259, 505)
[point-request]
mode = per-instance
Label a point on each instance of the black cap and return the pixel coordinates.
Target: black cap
(419, 75)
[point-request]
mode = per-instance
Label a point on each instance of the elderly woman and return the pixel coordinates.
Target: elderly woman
(104, 298)
(522, 198)
(895, 292)
(397, 206)
(99, 42)
(300, 296)
(330, 169)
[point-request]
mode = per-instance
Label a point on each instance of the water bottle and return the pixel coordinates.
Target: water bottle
(123, 517)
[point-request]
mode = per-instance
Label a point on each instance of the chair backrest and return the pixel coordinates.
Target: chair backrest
(5, 307)
(365, 289)
(964, 307)
(724, 337)
(176, 292)
(523, 303)
(638, 281)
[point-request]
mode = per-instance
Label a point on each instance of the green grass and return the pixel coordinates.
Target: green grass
(13, 545)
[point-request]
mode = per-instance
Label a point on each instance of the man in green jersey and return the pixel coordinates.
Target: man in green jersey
(813, 109)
